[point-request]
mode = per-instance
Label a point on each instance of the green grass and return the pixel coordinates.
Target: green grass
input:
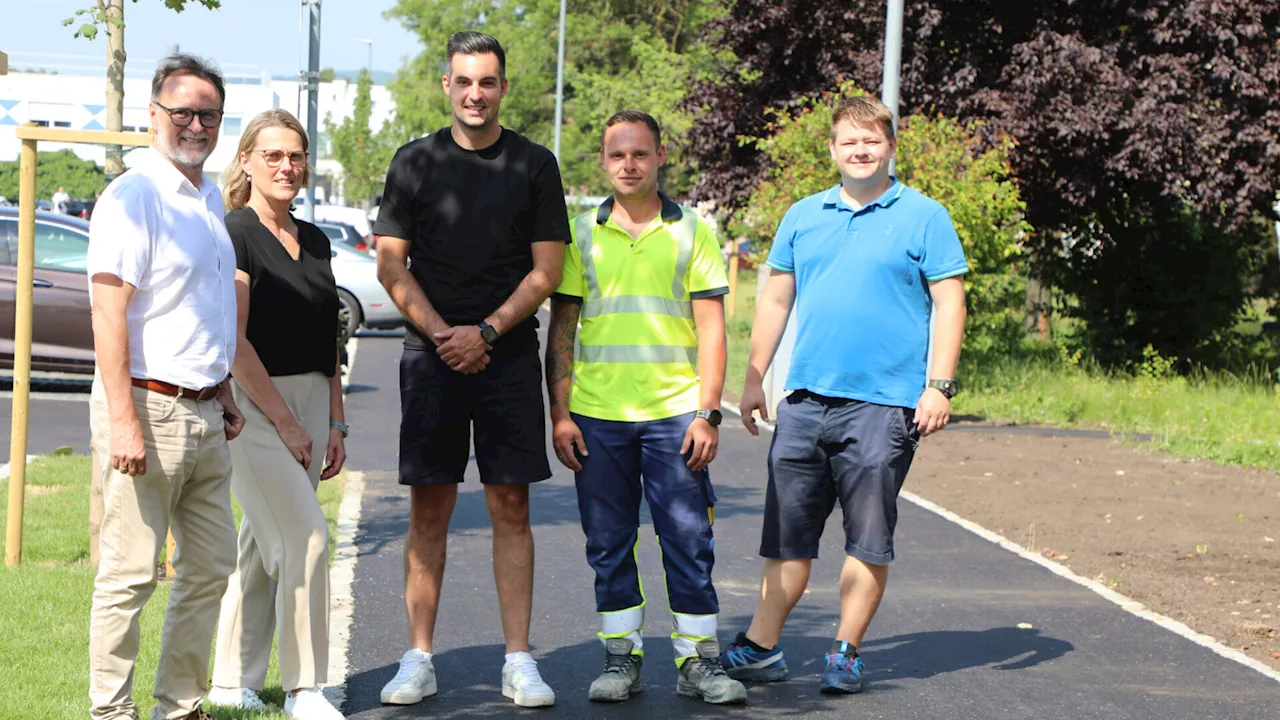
(46, 601)
(738, 330)
(1213, 416)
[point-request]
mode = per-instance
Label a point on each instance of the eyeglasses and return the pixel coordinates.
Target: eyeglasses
(273, 158)
(182, 117)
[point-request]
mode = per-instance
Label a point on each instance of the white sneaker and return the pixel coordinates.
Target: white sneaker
(415, 680)
(522, 683)
(242, 698)
(310, 704)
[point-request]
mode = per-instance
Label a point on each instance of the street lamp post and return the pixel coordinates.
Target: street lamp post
(369, 42)
(559, 83)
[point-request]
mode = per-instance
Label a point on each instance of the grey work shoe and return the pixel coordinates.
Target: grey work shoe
(621, 675)
(702, 677)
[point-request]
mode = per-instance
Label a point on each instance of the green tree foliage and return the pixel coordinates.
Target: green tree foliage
(1171, 282)
(364, 155)
(97, 15)
(640, 54)
(81, 178)
(937, 156)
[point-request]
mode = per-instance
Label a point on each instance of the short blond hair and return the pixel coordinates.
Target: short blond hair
(863, 111)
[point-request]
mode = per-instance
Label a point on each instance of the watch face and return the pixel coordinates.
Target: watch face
(714, 417)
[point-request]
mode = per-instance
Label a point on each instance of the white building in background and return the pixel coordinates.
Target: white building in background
(75, 97)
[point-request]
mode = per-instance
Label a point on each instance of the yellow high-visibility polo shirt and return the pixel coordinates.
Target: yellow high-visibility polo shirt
(637, 351)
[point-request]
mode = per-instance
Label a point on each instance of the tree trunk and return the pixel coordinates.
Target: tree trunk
(115, 167)
(115, 84)
(96, 506)
(1037, 307)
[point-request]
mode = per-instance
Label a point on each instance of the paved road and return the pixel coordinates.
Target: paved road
(946, 644)
(59, 414)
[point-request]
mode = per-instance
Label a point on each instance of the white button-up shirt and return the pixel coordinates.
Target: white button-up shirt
(161, 234)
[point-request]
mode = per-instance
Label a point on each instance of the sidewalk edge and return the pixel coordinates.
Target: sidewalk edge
(341, 580)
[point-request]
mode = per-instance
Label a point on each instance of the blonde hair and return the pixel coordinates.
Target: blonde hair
(863, 111)
(237, 186)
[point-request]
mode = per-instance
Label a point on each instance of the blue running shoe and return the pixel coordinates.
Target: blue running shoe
(844, 670)
(743, 662)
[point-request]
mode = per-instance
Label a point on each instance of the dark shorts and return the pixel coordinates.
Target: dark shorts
(827, 449)
(438, 407)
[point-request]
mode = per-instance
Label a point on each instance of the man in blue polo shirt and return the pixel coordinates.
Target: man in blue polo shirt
(865, 264)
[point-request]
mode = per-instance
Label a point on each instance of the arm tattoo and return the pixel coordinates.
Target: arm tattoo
(560, 340)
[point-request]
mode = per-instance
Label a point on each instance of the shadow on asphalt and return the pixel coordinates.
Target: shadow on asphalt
(550, 505)
(470, 686)
(925, 654)
(469, 678)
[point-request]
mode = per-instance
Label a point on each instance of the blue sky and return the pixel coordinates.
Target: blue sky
(262, 33)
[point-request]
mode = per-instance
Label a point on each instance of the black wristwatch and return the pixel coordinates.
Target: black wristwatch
(713, 417)
(948, 387)
(488, 332)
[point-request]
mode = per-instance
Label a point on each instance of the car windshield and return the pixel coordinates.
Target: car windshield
(332, 232)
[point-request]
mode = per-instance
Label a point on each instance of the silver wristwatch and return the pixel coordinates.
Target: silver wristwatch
(343, 428)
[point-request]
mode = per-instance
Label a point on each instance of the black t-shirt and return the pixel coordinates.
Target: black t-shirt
(293, 304)
(470, 217)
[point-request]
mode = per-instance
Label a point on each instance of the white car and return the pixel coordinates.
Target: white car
(355, 217)
(362, 301)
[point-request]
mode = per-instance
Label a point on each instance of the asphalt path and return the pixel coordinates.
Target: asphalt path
(966, 630)
(58, 414)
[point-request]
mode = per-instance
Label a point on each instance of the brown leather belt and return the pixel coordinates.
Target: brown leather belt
(172, 390)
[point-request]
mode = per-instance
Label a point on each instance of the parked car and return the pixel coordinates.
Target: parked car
(62, 332)
(355, 217)
(345, 234)
(82, 209)
(362, 300)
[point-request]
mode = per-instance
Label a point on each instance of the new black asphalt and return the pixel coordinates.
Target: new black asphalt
(966, 630)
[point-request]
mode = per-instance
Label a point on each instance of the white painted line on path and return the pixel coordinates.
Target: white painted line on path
(342, 575)
(1127, 604)
(342, 571)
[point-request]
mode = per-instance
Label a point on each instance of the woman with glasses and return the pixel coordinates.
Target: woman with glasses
(287, 381)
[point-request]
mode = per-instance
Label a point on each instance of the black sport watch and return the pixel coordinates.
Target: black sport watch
(948, 387)
(488, 332)
(713, 417)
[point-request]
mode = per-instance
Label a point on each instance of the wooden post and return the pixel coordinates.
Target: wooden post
(97, 503)
(21, 351)
(170, 547)
(732, 300)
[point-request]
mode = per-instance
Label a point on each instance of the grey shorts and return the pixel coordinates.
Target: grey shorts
(827, 449)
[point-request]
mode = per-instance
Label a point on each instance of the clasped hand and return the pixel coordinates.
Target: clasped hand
(463, 349)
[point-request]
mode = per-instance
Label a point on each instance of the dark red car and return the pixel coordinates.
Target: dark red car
(62, 332)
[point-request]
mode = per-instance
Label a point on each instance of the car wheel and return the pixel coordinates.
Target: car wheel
(349, 315)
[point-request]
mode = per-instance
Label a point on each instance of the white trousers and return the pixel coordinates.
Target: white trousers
(281, 581)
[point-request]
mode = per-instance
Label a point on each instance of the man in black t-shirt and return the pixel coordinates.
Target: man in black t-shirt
(471, 241)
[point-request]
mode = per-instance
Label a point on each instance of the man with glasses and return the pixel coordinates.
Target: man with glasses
(162, 285)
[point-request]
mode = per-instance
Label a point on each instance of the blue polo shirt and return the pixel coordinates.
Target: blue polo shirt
(862, 291)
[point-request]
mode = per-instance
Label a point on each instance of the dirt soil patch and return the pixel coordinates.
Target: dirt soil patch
(1192, 540)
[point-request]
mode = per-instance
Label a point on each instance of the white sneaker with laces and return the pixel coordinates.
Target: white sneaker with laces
(522, 683)
(415, 680)
(242, 698)
(310, 704)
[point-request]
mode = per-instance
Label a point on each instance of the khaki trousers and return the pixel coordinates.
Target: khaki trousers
(186, 489)
(281, 582)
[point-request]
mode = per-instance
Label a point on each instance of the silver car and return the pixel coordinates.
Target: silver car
(362, 300)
